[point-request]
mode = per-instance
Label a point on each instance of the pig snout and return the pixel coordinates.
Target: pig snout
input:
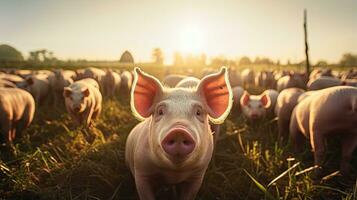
(178, 143)
(254, 116)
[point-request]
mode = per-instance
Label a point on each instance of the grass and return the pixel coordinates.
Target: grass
(58, 161)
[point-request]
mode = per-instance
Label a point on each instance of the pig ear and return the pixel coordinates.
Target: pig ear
(85, 92)
(146, 89)
(265, 99)
(217, 95)
(67, 91)
(244, 100)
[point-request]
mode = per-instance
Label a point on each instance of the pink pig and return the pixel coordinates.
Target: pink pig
(173, 144)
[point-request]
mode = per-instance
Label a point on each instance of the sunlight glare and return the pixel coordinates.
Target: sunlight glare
(191, 40)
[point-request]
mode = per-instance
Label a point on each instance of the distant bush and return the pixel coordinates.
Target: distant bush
(10, 54)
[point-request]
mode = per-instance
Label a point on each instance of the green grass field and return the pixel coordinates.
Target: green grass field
(58, 161)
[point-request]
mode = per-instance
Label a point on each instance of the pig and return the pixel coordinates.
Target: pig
(126, 82)
(247, 77)
(255, 107)
(350, 82)
(12, 78)
(38, 85)
(7, 84)
(237, 94)
(326, 113)
(23, 73)
(188, 82)
(173, 144)
(83, 101)
(234, 77)
(94, 73)
(60, 80)
(316, 73)
(17, 109)
(269, 81)
(286, 102)
(323, 82)
(292, 80)
(172, 80)
(259, 79)
(112, 82)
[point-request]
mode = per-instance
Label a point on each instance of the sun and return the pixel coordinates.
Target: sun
(191, 40)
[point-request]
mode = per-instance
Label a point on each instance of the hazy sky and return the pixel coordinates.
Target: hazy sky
(94, 29)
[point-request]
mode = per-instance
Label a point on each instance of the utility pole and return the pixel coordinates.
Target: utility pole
(306, 44)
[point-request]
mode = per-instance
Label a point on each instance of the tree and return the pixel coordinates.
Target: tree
(348, 60)
(321, 63)
(245, 61)
(9, 53)
(126, 57)
(158, 56)
(178, 59)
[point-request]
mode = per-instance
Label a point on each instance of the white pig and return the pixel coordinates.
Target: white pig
(17, 108)
(126, 81)
(237, 94)
(247, 77)
(83, 101)
(172, 80)
(325, 113)
(38, 85)
(286, 102)
(173, 144)
(112, 83)
(256, 107)
(323, 82)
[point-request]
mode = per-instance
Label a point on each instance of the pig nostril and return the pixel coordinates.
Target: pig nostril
(171, 142)
(185, 142)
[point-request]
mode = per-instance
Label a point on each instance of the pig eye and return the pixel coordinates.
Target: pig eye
(198, 112)
(160, 111)
(260, 106)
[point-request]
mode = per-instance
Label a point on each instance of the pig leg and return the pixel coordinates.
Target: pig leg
(189, 189)
(318, 146)
(348, 144)
(297, 138)
(97, 113)
(144, 187)
(283, 126)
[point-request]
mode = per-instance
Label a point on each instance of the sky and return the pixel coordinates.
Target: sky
(102, 30)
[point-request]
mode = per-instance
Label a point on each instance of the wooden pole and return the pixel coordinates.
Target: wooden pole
(306, 44)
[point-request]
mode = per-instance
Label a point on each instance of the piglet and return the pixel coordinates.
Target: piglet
(323, 114)
(173, 144)
(83, 101)
(256, 107)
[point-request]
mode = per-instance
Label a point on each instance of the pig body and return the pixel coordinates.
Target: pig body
(7, 84)
(172, 80)
(126, 81)
(290, 81)
(323, 82)
(38, 85)
(325, 113)
(83, 101)
(237, 94)
(60, 80)
(256, 107)
(174, 143)
(248, 77)
(234, 77)
(286, 102)
(350, 82)
(112, 83)
(17, 108)
(12, 78)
